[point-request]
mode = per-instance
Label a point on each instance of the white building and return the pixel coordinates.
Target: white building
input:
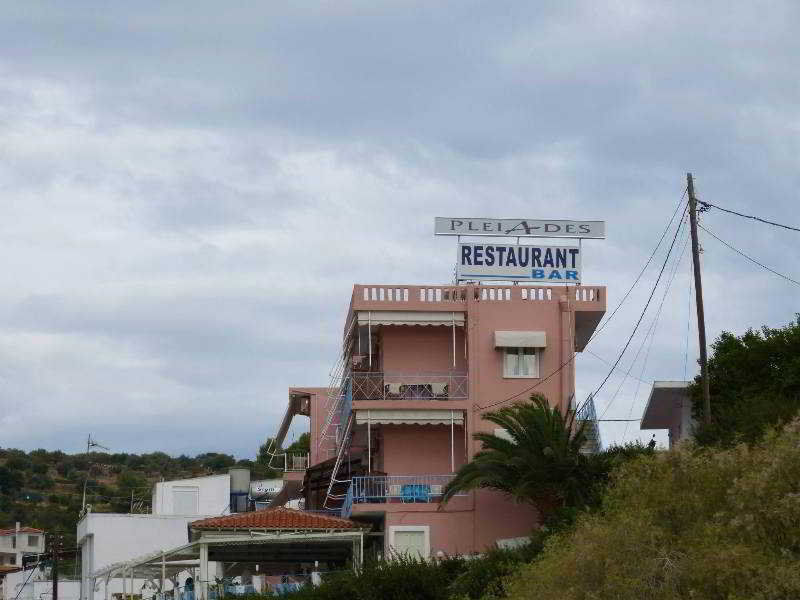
(107, 538)
(18, 542)
(196, 496)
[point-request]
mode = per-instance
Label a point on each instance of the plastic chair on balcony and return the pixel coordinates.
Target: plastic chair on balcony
(439, 390)
(416, 492)
(394, 389)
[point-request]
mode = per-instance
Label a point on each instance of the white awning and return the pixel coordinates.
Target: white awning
(520, 339)
(410, 317)
(410, 417)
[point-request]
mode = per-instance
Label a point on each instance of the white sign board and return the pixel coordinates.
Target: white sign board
(509, 262)
(520, 227)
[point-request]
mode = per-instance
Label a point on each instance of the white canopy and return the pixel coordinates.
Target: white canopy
(410, 317)
(520, 339)
(410, 417)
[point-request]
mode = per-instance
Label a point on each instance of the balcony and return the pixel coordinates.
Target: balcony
(405, 489)
(404, 386)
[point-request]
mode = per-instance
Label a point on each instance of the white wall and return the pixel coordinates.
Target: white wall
(108, 538)
(213, 495)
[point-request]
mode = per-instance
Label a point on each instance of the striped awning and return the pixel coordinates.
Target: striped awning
(520, 339)
(410, 417)
(410, 317)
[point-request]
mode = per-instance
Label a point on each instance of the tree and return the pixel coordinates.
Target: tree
(755, 384)
(539, 462)
(301, 445)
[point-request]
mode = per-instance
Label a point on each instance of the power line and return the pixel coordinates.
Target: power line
(602, 326)
(650, 330)
(751, 259)
(738, 214)
(641, 316)
(608, 362)
(654, 329)
(644, 268)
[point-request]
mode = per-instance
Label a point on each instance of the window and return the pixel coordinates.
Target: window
(33, 540)
(520, 362)
(14, 541)
(12, 560)
(410, 540)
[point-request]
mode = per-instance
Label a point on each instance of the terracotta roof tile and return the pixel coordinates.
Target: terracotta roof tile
(275, 518)
(21, 530)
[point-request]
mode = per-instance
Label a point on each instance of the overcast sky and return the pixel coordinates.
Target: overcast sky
(190, 189)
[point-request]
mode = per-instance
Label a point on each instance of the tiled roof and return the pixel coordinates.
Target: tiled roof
(275, 518)
(21, 530)
(6, 569)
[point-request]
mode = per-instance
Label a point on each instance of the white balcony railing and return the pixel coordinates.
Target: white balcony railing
(404, 386)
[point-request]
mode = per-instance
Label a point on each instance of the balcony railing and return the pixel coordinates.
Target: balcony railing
(403, 386)
(409, 489)
(290, 461)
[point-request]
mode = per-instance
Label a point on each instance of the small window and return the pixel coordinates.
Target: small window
(520, 362)
(33, 540)
(12, 560)
(410, 540)
(14, 541)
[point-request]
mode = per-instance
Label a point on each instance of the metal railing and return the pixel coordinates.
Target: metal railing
(289, 461)
(407, 386)
(347, 505)
(587, 413)
(398, 488)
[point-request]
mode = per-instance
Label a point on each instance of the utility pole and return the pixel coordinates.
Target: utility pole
(698, 290)
(55, 550)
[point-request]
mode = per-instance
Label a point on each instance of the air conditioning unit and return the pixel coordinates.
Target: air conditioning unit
(395, 490)
(436, 489)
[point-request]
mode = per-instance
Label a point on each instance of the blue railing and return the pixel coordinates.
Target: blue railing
(397, 488)
(347, 505)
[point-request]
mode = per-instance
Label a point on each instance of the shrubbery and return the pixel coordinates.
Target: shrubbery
(689, 523)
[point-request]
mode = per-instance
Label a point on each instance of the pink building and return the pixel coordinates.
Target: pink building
(420, 365)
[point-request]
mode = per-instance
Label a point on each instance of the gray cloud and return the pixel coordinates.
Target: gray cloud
(190, 191)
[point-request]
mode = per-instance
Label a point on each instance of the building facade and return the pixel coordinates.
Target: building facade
(669, 407)
(18, 542)
(419, 368)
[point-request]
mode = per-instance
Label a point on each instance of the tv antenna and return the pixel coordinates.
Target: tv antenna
(90, 443)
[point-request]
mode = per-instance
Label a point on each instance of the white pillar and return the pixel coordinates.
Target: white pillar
(203, 588)
(452, 444)
(163, 572)
(369, 444)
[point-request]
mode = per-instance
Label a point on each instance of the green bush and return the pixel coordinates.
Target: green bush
(486, 577)
(689, 523)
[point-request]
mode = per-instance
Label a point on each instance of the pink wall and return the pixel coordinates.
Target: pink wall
(471, 524)
(421, 349)
(319, 397)
(420, 449)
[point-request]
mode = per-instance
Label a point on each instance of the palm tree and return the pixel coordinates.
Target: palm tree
(539, 461)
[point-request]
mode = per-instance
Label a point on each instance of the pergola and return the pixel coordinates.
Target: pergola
(267, 551)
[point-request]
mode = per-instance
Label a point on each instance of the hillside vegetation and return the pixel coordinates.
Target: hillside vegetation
(689, 523)
(44, 489)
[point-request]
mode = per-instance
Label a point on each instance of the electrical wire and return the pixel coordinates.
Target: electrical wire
(639, 321)
(650, 333)
(752, 260)
(22, 587)
(644, 268)
(602, 326)
(608, 362)
(738, 214)
(690, 287)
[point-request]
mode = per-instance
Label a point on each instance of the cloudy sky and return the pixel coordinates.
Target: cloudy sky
(184, 184)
